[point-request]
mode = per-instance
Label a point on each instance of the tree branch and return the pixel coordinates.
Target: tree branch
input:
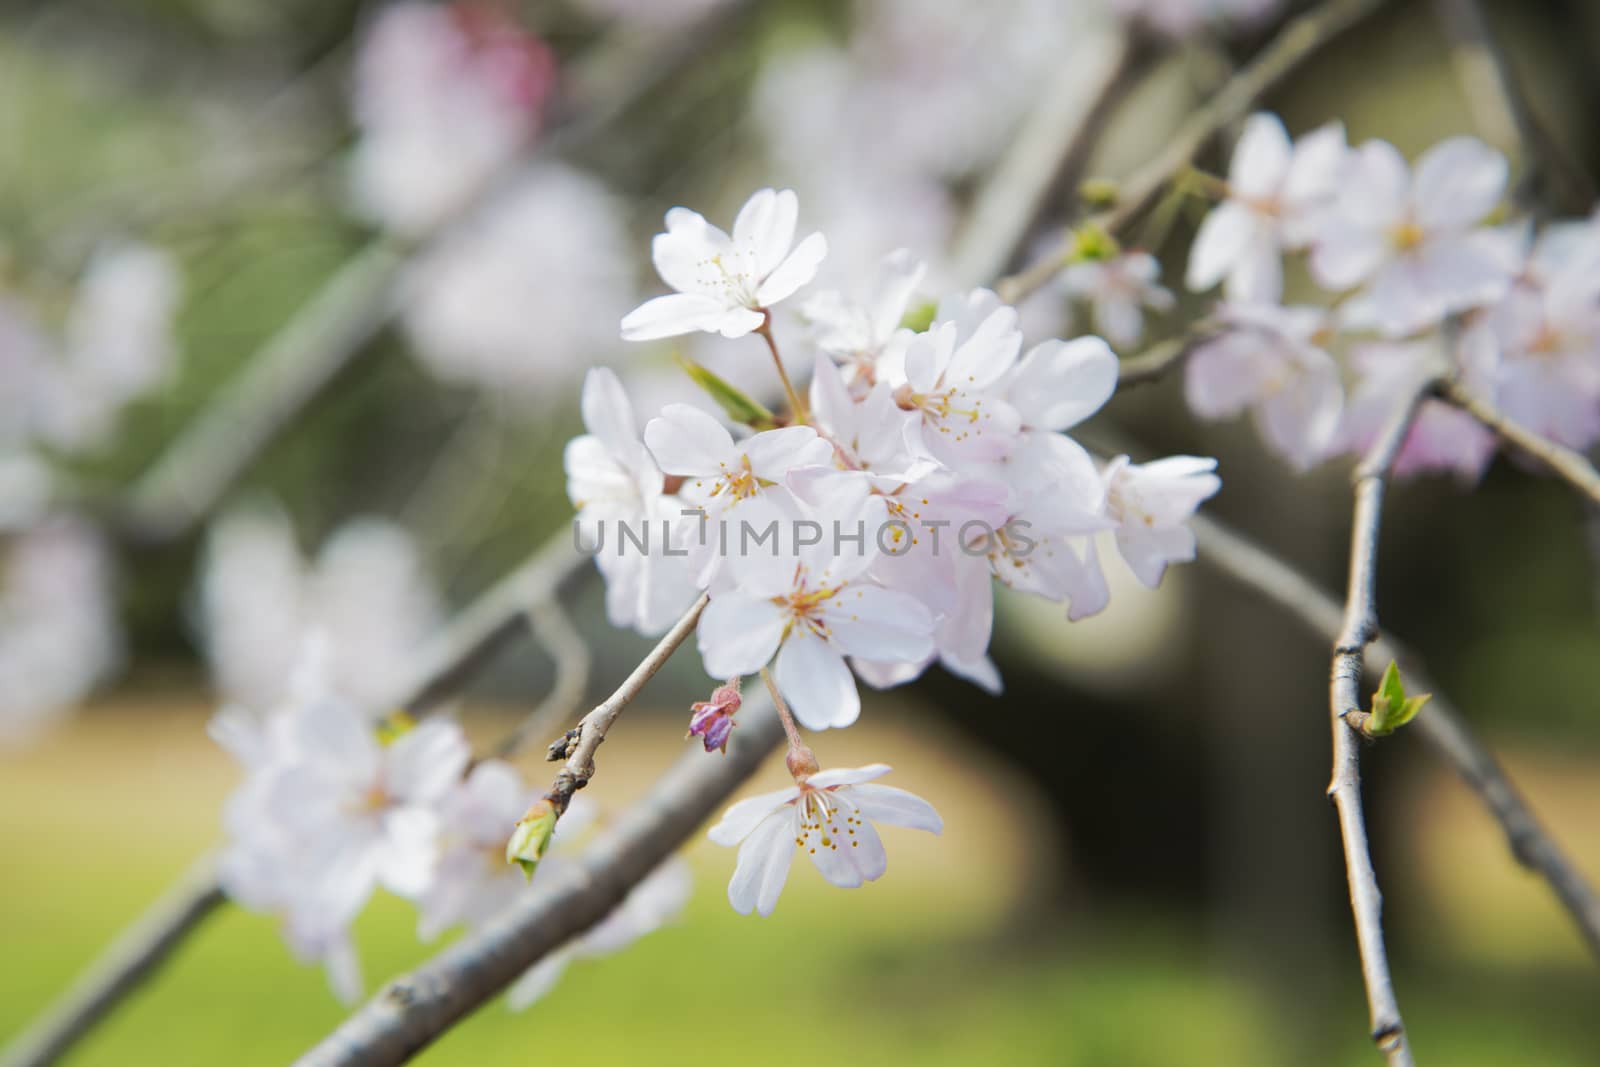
(413, 1010)
(1049, 153)
(1288, 51)
(129, 960)
(1561, 461)
(1344, 695)
(1501, 108)
(580, 743)
(469, 640)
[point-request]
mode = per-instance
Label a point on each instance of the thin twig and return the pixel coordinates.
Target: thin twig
(1344, 695)
(1561, 461)
(554, 632)
(413, 1010)
(1502, 110)
(1049, 152)
(1287, 52)
(579, 745)
(1155, 362)
(1440, 725)
(196, 469)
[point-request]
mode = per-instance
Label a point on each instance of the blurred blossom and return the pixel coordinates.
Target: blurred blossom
(117, 346)
(654, 14)
(1442, 438)
(526, 292)
(444, 96)
(367, 596)
(1119, 290)
(58, 631)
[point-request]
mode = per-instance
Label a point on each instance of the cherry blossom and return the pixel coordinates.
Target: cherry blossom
(725, 284)
(1414, 238)
(810, 613)
(1150, 504)
(445, 96)
(712, 720)
(1119, 290)
(1277, 192)
(613, 480)
(1272, 361)
(366, 594)
(831, 816)
(856, 334)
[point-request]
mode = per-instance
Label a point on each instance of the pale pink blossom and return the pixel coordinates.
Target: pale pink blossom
(831, 818)
(1119, 290)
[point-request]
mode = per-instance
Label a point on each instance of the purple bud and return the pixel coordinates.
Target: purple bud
(712, 720)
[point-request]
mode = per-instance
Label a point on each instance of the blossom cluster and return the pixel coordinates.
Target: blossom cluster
(63, 387)
(926, 461)
(341, 800)
(1427, 280)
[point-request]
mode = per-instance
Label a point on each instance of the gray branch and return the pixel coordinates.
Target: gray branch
(413, 1010)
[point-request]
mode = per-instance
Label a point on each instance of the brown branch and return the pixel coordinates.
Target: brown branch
(1440, 725)
(581, 742)
(1344, 695)
(1048, 154)
(1283, 55)
(1559, 460)
(413, 1010)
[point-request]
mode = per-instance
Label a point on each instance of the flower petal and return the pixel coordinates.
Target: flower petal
(796, 270)
(1261, 158)
(813, 677)
(1458, 182)
(886, 804)
(740, 819)
(670, 316)
(763, 865)
(766, 225)
(685, 440)
(1227, 231)
(837, 776)
(739, 633)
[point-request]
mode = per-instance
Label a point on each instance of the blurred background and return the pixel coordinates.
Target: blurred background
(295, 300)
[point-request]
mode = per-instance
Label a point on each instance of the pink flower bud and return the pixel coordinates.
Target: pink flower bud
(712, 720)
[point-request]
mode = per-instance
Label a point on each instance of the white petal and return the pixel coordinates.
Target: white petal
(424, 763)
(1458, 182)
(1374, 186)
(539, 979)
(846, 855)
(670, 316)
(739, 633)
(763, 865)
(1344, 256)
(774, 453)
(879, 624)
(1058, 384)
(796, 270)
(1261, 158)
(736, 322)
(814, 679)
(685, 440)
(837, 776)
(608, 414)
(885, 803)
(681, 254)
(743, 817)
(766, 224)
(1257, 275)
(1223, 237)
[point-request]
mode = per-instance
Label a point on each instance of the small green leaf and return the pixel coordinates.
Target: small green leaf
(531, 837)
(1391, 708)
(917, 319)
(740, 407)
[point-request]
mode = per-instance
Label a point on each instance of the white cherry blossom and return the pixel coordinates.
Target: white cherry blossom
(725, 283)
(1277, 192)
(1119, 290)
(829, 817)
(1414, 238)
(1272, 361)
(856, 332)
(1150, 504)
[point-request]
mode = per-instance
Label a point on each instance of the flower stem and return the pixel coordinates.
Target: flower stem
(801, 760)
(795, 403)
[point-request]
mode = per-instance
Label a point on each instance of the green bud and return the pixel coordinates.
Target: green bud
(1090, 243)
(532, 835)
(920, 317)
(394, 726)
(741, 407)
(1098, 193)
(1391, 708)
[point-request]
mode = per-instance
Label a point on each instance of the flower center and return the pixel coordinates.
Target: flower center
(825, 820)
(1406, 235)
(740, 483)
(731, 275)
(805, 606)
